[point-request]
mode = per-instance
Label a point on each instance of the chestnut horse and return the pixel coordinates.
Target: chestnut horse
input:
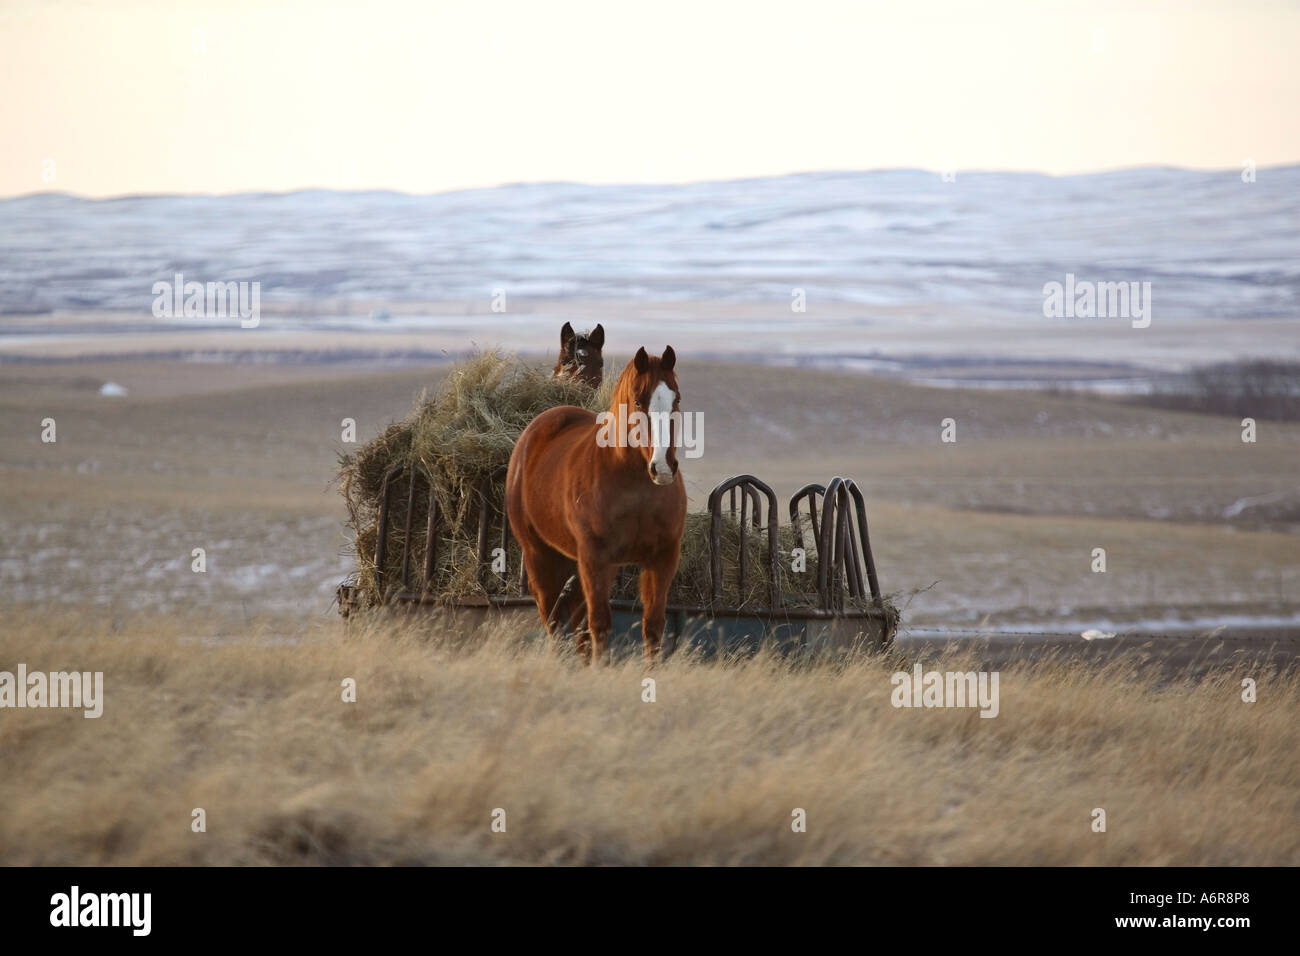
(580, 503)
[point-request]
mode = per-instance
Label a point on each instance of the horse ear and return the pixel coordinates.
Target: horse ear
(669, 359)
(566, 334)
(597, 337)
(642, 360)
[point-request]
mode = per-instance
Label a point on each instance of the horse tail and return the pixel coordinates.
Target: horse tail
(565, 591)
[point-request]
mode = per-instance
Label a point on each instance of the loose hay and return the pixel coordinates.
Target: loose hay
(462, 437)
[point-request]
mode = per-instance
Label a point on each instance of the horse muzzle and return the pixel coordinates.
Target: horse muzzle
(664, 476)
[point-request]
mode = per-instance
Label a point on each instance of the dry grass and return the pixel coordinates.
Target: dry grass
(462, 437)
(450, 724)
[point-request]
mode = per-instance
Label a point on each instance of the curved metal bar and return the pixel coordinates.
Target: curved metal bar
(842, 532)
(406, 530)
(844, 545)
(852, 560)
(810, 492)
(487, 512)
(826, 543)
(750, 492)
(861, 504)
(498, 475)
(431, 541)
(381, 535)
(749, 484)
(745, 499)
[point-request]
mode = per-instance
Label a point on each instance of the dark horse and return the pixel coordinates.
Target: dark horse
(579, 502)
(580, 356)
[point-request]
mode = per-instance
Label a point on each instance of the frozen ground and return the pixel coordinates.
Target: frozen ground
(996, 529)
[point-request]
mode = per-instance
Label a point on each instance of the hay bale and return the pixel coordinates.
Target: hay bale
(462, 437)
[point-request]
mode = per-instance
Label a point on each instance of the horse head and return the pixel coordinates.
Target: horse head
(648, 386)
(580, 355)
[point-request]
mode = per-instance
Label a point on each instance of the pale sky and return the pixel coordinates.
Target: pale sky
(126, 96)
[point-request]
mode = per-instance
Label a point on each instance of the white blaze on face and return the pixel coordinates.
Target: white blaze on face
(661, 408)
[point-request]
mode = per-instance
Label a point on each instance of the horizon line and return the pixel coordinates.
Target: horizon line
(199, 194)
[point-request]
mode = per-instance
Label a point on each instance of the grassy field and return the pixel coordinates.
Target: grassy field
(450, 725)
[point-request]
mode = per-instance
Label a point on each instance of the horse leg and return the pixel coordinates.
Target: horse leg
(597, 579)
(655, 580)
(548, 570)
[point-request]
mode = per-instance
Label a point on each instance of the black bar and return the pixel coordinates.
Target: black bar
(984, 907)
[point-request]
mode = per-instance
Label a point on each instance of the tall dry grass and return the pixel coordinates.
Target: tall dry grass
(451, 723)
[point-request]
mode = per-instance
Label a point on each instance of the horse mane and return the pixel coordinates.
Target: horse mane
(622, 394)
